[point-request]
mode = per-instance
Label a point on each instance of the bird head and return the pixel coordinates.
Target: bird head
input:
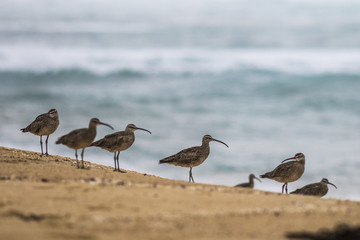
(326, 181)
(208, 138)
(131, 127)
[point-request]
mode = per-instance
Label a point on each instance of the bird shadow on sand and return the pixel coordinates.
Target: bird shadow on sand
(340, 232)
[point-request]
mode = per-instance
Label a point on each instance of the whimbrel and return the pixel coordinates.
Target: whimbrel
(315, 189)
(249, 184)
(81, 138)
(119, 141)
(44, 125)
(288, 172)
(193, 156)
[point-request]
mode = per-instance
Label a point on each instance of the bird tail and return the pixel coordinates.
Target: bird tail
(296, 192)
(264, 175)
(167, 160)
(24, 129)
(60, 140)
(96, 144)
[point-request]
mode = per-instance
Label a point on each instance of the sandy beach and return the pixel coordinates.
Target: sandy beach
(49, 198)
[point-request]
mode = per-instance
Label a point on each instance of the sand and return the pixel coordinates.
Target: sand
(49, 198)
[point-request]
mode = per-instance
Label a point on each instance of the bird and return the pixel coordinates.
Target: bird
(249, 184)
(287, 172)
(119, 141)
(318, 189)
(44, 125)
(193, 156)
(81, 138)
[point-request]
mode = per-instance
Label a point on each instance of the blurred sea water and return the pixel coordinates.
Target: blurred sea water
(269, 78)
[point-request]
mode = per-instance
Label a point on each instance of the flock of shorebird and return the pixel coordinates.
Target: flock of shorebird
(47, 123)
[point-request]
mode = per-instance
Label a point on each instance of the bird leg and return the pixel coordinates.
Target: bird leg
(82, 158)
(46, 142)
(77, 161)
(118, 163)
(282, 189)
(190, 175)
(115, 162)
(286, 189)
(41, 144)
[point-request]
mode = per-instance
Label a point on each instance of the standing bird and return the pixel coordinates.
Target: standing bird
(81, 138)
(44, 125)
(192, 157)
(288, 172)
(119, 141)
(315, 189)
(249, 184)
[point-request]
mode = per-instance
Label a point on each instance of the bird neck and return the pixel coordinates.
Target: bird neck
(92, 128)
(205, 144)
(129, 131)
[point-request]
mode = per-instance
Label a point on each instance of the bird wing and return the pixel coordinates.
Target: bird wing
(243, 185)
(282, 169)
(36, 125)
(186, 156)
(72, 137)
(310, 189)
(41, 117)
(115, 141)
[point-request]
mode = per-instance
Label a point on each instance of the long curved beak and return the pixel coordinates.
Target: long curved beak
(288, 159)
(105, 124)
(257, 179)
(220, 142)
(137, 128)
(332, 184)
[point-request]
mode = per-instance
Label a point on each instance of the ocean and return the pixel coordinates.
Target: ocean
(270, 78)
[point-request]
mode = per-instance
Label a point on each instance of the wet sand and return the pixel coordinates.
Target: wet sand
(49, 198)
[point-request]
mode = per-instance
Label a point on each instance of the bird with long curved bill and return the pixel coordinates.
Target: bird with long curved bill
(318, 189)
(287, 172)
(81, 138)
(193, 156)
(44, 125)
(119, 141)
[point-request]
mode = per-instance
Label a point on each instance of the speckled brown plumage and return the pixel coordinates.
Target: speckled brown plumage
(192, 157)
(119, 141)
(44, 125)
(315, 189)
(288, 172)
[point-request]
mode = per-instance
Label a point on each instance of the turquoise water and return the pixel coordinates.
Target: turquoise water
(269, 81)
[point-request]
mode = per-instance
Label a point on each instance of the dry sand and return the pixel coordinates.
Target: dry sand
(49, 198)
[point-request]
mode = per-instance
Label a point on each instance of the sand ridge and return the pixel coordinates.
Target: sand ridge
(49, 198)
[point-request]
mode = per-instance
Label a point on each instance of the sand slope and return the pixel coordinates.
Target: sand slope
(48, 198)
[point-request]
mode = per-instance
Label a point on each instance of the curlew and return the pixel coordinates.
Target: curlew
(288, 172)
(81, 138)
(44, 125)
(193, 156)
(315, 189)
(249, 184)
(119, 141)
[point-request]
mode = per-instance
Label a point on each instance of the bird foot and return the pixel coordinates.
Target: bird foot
(121, 171)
